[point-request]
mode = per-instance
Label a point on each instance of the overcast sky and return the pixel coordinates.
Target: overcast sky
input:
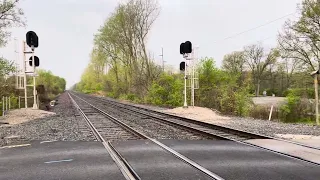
(66, 28)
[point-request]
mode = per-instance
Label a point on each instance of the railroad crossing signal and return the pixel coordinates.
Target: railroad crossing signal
(32, 39)
(182, 66)
(186, 47)
(189, 71)
(36, 61)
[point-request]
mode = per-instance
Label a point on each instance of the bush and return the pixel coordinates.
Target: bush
(259, 112)
(243, 102)
(131, 97)
(272, 91)
(296, 109)
(167, 91)
(301, 92)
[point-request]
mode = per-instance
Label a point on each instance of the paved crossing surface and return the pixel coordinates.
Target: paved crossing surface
(232, 160)
(58, 160)
(90, 160)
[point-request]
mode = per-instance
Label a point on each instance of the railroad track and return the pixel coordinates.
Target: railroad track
(216, 132)
(85, 110)
(108, 128)
(220, 132)
(157, 130)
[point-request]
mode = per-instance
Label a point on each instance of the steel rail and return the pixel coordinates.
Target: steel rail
(123, 165)
(163, 146)
(241, 142)
(214, 126)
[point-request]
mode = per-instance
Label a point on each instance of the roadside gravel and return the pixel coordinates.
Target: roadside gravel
(66, 125)
(270, 128)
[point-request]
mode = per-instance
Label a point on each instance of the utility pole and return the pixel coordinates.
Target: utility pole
(316, 97)
(315, 76)
(162, 59)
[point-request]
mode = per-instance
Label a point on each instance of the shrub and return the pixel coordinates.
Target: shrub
(296, 109)
(167, 91)
(301, 92)
(272, 91)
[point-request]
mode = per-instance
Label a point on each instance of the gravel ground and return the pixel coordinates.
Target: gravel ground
(66, 125)
(18, 116)
(270, 128)
(263, 127)
(147, 126)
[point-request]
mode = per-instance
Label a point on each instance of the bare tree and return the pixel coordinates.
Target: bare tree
(257, 60)
(234, 62)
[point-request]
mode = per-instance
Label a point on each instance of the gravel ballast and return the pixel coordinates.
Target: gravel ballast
(263, 127)
(145, 125)
(66, 125)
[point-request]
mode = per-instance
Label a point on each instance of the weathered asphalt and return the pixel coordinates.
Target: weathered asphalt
(232, 160)
(152, 162)
(90, 160)
(58, 160)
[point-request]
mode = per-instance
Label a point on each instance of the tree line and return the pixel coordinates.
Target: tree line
(121, 66)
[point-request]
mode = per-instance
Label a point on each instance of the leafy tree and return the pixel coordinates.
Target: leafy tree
(10, 15)
(300, 39)
(120, 62)
(6, 68)
(54, 85)
(219, 89)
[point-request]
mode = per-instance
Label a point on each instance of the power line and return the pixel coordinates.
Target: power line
(254, 28)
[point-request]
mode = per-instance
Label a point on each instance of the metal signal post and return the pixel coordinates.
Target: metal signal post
(35, 105)
(188, 54)
(32, 42)
(185, 49)
(185, 84)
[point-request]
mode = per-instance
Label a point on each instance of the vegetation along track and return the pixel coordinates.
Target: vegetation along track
(123, 165)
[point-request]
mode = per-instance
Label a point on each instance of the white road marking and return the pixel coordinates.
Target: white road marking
(14, 146)
(64, 160)
(47, 141)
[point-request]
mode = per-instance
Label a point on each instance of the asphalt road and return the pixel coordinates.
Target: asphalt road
(232, 160)
(152, 162)
(58, 160)
(89, 160)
